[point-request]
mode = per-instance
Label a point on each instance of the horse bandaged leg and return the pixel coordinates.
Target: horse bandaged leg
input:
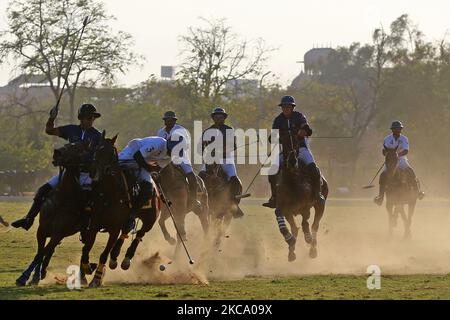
(288, 237)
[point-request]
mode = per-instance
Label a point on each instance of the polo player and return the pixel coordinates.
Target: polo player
(83, 132)
(294, 125)
(396, 140)
(220, 130)
(174, 131)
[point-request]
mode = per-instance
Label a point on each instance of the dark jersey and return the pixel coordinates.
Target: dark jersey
(73, 133)
(290, 125)
(229, 140)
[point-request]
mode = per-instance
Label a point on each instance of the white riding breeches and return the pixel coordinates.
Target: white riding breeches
(228, 168)
(402, 163)
(140, 173)
(85, 180)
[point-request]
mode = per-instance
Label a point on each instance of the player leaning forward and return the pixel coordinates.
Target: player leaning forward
(143, 155)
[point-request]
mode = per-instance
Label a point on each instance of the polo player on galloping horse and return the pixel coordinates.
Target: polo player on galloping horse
(220, 130)
(144, 156)
(294, 125)
(399, 142)
(172, 129)
(84, 132)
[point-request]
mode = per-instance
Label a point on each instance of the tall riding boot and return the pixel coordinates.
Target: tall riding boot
(414, 182)
(38, 200)
(272, 203)
(314, 174)
(236, 190)
(145, 194)
(379, 199)
(193, 202)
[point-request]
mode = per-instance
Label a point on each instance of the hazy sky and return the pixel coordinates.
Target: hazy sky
(294, 26)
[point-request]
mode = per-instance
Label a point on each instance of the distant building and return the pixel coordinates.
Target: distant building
(167, 72)
(313, 61)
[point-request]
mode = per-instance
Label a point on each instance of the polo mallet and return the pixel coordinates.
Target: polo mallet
(174, 223)
(246, 194)
(370, 185)
(72, 58)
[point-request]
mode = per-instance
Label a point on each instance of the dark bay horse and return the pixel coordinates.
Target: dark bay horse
(294, 197)
(60, 214)
(111, 211)
(399, 192)
(221, 204)
(176, 189)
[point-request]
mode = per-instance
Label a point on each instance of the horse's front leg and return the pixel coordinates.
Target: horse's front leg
(162, 225)
(408, 220)
(288, 236)
(41, 239)
(47, 252)
(148, 220)
(85, 265)
(319, 210)
(305, 225)
(391, 217)
(100, 272)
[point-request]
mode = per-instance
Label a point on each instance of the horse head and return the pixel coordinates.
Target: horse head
(105, 157)
(391, 159)
(70, 155)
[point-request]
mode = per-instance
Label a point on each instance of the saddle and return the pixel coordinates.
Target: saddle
(133, 187)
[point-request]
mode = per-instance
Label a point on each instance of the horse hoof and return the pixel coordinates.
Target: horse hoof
(292, 256)
(43, 275)
(34, 283)
(125, 263)
(112, 264)
(313, 252)
(83, 281)
(21, 283)
(308, 238)
(95, 283)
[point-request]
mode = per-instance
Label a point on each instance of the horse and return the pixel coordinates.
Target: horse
(221, 204)
(61, 213)
(399, 193)
(294, 197)
(111, 211)
(175, 187)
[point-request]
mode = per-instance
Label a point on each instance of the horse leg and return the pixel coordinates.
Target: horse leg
(203, 215)
(48, 249)
(318, 214)
(85, 266)
(162, 225)
(147, 224)
(46, 262)
(100, 272)
(41, 239)
(288, 237)
(408, 219)
(182, 230)
(390, 209)
(115, 251)
(305, 226)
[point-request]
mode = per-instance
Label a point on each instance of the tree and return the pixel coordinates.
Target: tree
(42, 34)
(214, 56)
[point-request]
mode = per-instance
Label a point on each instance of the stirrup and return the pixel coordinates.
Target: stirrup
(378, 200)
(271, 203)
(421, 195)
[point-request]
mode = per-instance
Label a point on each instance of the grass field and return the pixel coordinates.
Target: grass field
(252, 263)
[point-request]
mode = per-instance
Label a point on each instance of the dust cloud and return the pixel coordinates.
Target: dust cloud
(353, 235)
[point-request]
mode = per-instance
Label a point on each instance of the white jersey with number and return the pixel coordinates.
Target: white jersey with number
(153, 149)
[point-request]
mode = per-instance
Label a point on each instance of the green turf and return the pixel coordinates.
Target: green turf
(17, 248)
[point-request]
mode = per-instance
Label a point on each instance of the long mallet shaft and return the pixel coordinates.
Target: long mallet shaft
(174, 223)
(370, 185)
(72, 59)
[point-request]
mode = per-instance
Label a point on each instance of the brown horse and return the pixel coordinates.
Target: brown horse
(60, 214)
(176, 189)
(111, 211)
(294, 197)
(221, 204)
(399, 192)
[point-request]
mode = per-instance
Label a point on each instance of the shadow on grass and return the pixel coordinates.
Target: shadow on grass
(30, 292)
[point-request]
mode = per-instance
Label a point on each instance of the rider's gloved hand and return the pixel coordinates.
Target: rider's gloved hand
(53, 113)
